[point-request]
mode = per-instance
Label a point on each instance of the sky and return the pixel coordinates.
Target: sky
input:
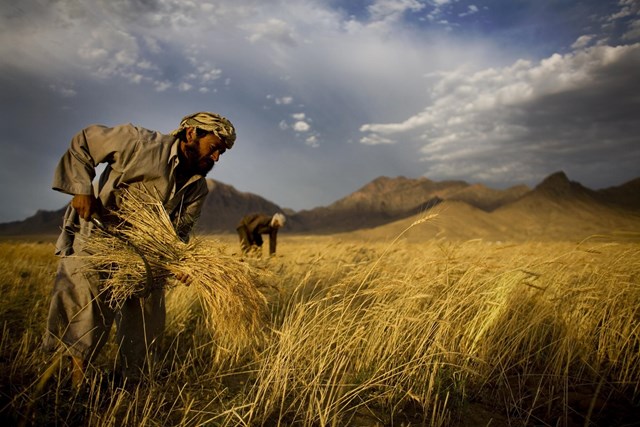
(327, 95)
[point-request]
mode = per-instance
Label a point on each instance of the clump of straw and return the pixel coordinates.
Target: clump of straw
(234, 309)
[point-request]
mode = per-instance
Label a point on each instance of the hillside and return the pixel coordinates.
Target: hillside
(455, 220)
(560, 208)
(225, 206)
(488, 199)
(385, 199)
(42, 222)
(556, 209)
(626, 195)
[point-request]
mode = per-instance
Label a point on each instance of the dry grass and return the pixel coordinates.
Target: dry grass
(363, 334)
(435, 325)
(233, 308)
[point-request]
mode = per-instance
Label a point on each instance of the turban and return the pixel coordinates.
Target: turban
(210, 122)
(278, 219)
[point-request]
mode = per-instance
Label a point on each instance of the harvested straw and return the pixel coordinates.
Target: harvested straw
(234, 309)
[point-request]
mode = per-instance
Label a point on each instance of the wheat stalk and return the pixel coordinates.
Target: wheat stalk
(233, 308)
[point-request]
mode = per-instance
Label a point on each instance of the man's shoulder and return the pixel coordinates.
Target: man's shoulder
(148, 134)
(125, 130)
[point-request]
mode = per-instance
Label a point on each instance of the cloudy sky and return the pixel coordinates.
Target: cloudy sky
(327, 95)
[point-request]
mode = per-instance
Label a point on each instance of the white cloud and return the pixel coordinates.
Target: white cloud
(471, 10)
(385, 14)
(273, 30)
(393, 9)
(126, 40)
(299, 116)
(301, 126)
(627, 8)
(285, 100)
(582, 41)
(110, 53)
(135, 78)
(629, 14)
(633, 31)
(435, 15)
(376, 139)
(209, 73)
(312, 141)
(483, 116)
(152, 44)
(161, 86)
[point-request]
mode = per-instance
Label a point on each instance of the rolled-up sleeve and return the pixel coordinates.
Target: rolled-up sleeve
(93, 145)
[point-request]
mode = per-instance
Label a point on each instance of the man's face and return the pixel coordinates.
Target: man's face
(201, 152)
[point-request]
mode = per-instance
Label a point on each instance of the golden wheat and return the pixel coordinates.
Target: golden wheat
(233, 307)
(367, 333)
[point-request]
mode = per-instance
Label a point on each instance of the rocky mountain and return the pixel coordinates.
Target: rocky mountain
(489, 199)
(42, 222)
(556, 207)
(225, 206)
(388, 199)
(626, 195)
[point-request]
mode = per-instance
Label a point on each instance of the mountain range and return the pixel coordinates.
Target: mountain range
(555, 208)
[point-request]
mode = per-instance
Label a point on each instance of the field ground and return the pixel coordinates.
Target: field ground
(362, 333)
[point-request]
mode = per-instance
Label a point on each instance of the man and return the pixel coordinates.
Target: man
(173, 167)
(251, 228)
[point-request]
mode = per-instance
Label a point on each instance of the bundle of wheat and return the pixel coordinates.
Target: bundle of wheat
(234, 309)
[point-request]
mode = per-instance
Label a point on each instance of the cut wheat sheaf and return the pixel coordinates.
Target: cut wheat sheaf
(234, 309)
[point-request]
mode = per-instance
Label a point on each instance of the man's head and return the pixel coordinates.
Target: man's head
(204, 137)
(210, 122)
(278, 220)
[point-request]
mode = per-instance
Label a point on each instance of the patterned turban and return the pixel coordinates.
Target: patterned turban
(210, 122)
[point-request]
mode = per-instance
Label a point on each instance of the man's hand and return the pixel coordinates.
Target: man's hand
(86, 205)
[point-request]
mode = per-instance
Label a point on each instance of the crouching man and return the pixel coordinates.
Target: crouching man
(253, 226)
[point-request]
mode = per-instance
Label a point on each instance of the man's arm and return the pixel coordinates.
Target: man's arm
(257, 238)
(77, 168)
(273, 235)
(187, 219)
(185, 216)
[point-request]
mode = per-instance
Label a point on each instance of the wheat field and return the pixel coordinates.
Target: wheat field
(362, 333)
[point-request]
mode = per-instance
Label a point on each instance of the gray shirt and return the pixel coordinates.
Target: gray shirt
(135, 158)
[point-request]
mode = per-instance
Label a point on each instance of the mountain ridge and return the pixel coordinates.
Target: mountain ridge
(517, 211)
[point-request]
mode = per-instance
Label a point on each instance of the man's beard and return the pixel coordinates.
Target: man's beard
(205, 166)
(196, 164)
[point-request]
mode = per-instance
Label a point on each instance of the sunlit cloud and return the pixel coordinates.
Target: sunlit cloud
(301, 126)
(273, 30)
(479, 120)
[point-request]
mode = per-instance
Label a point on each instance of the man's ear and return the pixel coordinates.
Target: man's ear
(190, 134)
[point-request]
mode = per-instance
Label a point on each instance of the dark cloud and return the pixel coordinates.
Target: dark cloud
(594, 124)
